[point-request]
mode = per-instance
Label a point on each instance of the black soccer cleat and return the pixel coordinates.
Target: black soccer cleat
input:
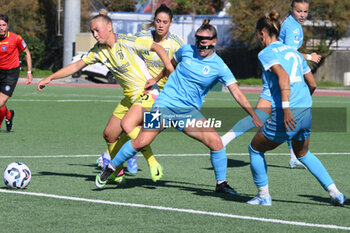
(102, 178)
(225, 188)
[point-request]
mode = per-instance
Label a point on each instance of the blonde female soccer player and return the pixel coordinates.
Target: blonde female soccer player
(119, 53)
(158, 31)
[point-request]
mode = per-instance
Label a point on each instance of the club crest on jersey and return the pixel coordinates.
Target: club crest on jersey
(205, 70)
(3, 47)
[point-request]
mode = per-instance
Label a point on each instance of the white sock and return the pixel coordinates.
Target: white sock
(228, 137)
(220, 181)
(112, 166)
(292, 155)
(263, 191)
(332, 190)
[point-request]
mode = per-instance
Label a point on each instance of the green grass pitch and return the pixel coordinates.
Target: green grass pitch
(58, 134)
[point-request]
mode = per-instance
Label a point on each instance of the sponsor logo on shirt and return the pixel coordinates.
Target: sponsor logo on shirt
(205, 70)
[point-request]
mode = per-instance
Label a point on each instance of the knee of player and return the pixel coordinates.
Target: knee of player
(214, 143)
(127, 125)
(108, 137)
(139, 143)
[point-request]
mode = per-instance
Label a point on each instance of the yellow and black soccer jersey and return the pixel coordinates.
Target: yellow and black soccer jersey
(123, 61)
(155, 65)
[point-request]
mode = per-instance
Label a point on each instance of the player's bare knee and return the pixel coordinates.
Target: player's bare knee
(214, 143)
(108, 137)
(127, 126)
(139, 143)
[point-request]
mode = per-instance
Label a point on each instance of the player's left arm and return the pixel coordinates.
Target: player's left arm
(29, 65)
(162, 74)
(244, 103)
(311, 82)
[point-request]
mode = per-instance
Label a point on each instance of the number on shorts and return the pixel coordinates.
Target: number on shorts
(144, 97)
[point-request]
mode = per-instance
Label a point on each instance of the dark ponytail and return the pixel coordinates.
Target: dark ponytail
(271, 22)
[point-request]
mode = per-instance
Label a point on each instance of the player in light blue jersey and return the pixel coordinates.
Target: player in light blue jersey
(285, 72)
(292, 31)
(291, 34)
(198, 69)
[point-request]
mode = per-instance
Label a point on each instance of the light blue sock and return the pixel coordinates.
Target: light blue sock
(258, 167)
(125, 153)
(219, 161)
(317, 169)
(289, 144)
(246, 123)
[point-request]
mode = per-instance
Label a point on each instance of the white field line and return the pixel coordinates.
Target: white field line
(113, 99)
(189, 211)
(157, 155)
(67, 100)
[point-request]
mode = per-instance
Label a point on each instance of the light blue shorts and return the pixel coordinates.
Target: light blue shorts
(175, 117)
(275, 130)
(266, 94)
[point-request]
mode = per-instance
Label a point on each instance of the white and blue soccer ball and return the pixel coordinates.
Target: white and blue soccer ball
(17, 175)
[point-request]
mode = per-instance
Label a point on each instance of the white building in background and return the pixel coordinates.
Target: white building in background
(183, 25)
(343, 43)
(322, 27)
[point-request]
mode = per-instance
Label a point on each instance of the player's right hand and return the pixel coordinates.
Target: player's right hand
(150, 83)
(42, 84)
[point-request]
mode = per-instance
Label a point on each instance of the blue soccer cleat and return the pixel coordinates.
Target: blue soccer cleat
(132, 165)
(266, 201)
(339, 200)
(102, 161)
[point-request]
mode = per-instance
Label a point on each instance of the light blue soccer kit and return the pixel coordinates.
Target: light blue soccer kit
(300, 104)
(300, 98)
(291, 34)
(183, 94)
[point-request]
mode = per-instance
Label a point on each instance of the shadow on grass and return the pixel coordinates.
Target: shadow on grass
(193, 188)
(322, 199)
(239, 163)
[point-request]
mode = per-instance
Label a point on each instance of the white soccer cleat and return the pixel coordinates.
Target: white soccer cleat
(266, 201)
(294, 163)
(339, 200)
